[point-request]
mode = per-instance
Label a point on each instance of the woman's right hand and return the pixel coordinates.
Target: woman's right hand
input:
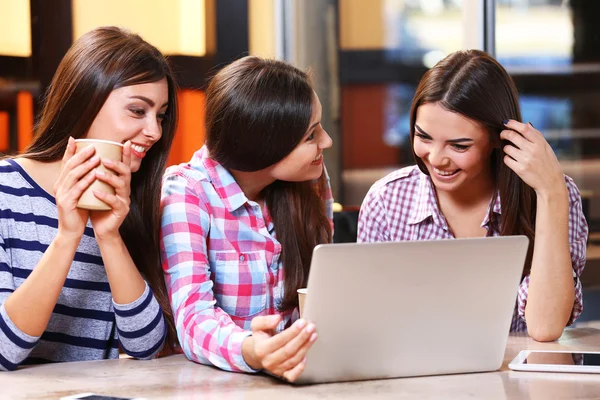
(282, 354)
(76, 175)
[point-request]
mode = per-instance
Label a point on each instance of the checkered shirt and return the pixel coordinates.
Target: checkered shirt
(221, 261)
(403, 206)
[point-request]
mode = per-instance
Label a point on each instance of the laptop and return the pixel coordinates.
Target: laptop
(400, 309)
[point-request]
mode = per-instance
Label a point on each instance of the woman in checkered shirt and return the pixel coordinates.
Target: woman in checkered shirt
(241, 218)
(481, 172)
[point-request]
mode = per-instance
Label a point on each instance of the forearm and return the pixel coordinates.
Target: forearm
(551, 288)
(126, 283)
(30, 306)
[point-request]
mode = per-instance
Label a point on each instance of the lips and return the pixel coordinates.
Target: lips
(445, 173)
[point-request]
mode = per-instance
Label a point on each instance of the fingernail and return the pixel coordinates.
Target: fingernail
(310, 328)
(505, 122)
(90, 149)
(304, 360)
(313, 337)
(107, 161)
(300, 323)
(94, 159)
(99, 172)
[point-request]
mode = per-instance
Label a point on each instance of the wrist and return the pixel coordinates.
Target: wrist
(249, 355)
(556, 193)
(108, 239)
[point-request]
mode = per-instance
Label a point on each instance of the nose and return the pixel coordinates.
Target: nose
(325, 141)
(437, 157)
(153, 130)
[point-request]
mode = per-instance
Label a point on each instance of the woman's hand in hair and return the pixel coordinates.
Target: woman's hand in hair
(532, 159)
(107, 223)
(76, 175)
(281, 354)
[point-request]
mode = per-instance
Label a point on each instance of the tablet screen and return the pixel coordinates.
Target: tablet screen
(586, 359)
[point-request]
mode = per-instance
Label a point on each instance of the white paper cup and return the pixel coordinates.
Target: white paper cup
(301, 296)
(104, 149)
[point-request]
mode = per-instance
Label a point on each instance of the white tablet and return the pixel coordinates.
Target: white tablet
(557, 361)
(92, 396)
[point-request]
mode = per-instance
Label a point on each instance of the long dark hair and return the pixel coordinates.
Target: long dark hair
(257, 112)
(475, 85)
(100, 61)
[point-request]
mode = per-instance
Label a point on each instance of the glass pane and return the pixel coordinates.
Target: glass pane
(552, 50)
(386, 46)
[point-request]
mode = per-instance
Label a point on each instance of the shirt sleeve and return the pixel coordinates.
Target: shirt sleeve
(141, 326)
(578, 235)
(206, 333)
(372, 221)
(15, 345)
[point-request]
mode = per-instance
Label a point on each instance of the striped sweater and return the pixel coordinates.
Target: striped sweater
(86, 323)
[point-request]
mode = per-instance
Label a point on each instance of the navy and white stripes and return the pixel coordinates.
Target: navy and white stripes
(86, 324)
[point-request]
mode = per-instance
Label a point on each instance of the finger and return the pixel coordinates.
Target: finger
(527, 130)
(115, 203)
(265, 322)
(127, 154)
(119, 167)
(292, 347)
(513, 152)
(73, 194)
(117, 182)
(70, 151)
(515, 138)
(271, 345)
(512, 164)
(300, 354)
(75, 174)
(294, 373)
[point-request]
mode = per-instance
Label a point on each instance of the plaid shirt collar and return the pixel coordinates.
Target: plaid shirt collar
(233, 197)
(425, 205)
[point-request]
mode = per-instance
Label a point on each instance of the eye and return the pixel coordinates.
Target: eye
(138, 111)
(460, 147)
(310, 137)
(161, 116)
(424, 138)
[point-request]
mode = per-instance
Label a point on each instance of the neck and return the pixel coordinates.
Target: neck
(252, 183)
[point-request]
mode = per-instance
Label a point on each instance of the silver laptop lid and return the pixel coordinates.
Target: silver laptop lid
(412, 308)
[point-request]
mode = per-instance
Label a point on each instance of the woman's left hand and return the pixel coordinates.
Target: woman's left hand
(107, 223)
(533, 160)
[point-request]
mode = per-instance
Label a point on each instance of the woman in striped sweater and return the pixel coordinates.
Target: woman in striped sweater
(76, 284)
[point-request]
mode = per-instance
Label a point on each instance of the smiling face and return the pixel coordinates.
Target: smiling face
(305, 162)
(133, 113)
(455, 150)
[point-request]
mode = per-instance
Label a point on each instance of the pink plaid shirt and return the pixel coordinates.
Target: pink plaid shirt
(403, 206)
(221, 261)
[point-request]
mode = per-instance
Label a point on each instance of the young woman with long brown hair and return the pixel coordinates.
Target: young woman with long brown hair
(481, 172)
(74, 284)
(241, 218)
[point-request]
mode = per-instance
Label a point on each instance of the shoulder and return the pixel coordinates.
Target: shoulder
(397, 182)
(187, 177)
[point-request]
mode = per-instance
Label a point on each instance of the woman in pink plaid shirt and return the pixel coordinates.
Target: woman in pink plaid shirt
(241, 218)
(481, 172)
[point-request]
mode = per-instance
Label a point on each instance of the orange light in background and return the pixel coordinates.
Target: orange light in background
(190, 130)
(15, 28)
(4, 128)
(24, 119)
(176, 27)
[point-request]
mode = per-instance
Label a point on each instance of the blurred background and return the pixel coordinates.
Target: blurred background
(366, 57)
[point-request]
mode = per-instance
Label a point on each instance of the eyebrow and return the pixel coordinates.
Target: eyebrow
(147, 100)
(451, 141)
(313, 126)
